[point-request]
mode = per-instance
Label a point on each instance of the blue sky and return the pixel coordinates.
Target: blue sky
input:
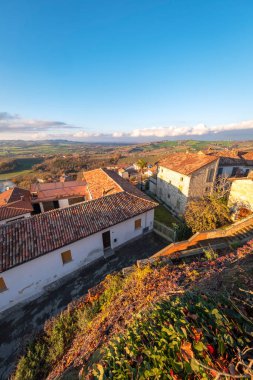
(126, 70)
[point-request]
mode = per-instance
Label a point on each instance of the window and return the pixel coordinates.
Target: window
(169, 196)
(220, 171)
(181, 179)
(66, 257)
(207, 189)
(3, 286)
(178, 204)
(234, 171)
(73, 201)
(210, 175)
(137, 224)
(50, 205)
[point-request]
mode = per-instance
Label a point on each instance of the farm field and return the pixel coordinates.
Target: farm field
(23, 155)
(11, 175)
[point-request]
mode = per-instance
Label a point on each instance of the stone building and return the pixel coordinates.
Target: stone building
(233, 163)
(185, 176)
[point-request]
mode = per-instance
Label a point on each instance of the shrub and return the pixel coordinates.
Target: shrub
(207, 213)
(34, 364)
(175, 340)
(60, 336)
(210, 253)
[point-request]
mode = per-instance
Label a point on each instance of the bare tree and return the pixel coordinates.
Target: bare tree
(221, 187)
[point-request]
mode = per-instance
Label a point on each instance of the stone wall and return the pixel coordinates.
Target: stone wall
(173, 189)
(200, 184)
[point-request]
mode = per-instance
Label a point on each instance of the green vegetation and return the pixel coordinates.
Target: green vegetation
(151, 159)
(210, 253)
(180, 338)
(50, 346)
(206, 214)
(59, 333)
(163, 215)
(12, 175)
(136, 327)
(20, 166)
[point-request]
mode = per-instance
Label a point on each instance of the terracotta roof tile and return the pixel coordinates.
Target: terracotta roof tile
(100, 184)
(186, 163)
(14, 202)
(58, 190)
(233, 157)
(13, 195)
(248, 156)
(32, 237)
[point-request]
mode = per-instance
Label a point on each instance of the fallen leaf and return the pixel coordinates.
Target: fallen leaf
(186, 351)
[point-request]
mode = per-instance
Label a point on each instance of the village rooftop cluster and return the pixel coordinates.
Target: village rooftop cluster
(56, 228)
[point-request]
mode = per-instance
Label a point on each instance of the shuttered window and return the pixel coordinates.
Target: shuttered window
(3, 286)
(137, 224)
(210, 175)
(66, 257)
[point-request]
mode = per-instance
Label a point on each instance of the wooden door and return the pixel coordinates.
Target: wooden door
(106, 239)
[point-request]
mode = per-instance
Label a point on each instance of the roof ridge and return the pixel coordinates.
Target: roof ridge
(18, 208)
(108, 175)
(143, 199)
(126, 191)
(11, 192)
(11, 203)
(62, 210)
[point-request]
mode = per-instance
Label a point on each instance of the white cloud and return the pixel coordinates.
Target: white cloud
(81, 134)
(197, 130)
(14, 123)
(233, 126)
(13, 126)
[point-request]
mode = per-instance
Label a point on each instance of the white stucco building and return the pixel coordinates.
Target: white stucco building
(37, 251)
(241, 194)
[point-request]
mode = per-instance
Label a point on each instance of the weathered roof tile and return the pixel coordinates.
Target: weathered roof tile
(186, 163)
(27, 239)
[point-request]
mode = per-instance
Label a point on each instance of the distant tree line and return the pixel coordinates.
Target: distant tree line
(11, 165)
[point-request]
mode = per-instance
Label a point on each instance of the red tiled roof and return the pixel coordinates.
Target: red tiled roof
(125, 185)
(248, 156)
(100, 184)
(13, 195)
(233, 157)
(226, 153)
(32, 237)
(58, 190)
(14, 202)
(5, 196)
(186, 163)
